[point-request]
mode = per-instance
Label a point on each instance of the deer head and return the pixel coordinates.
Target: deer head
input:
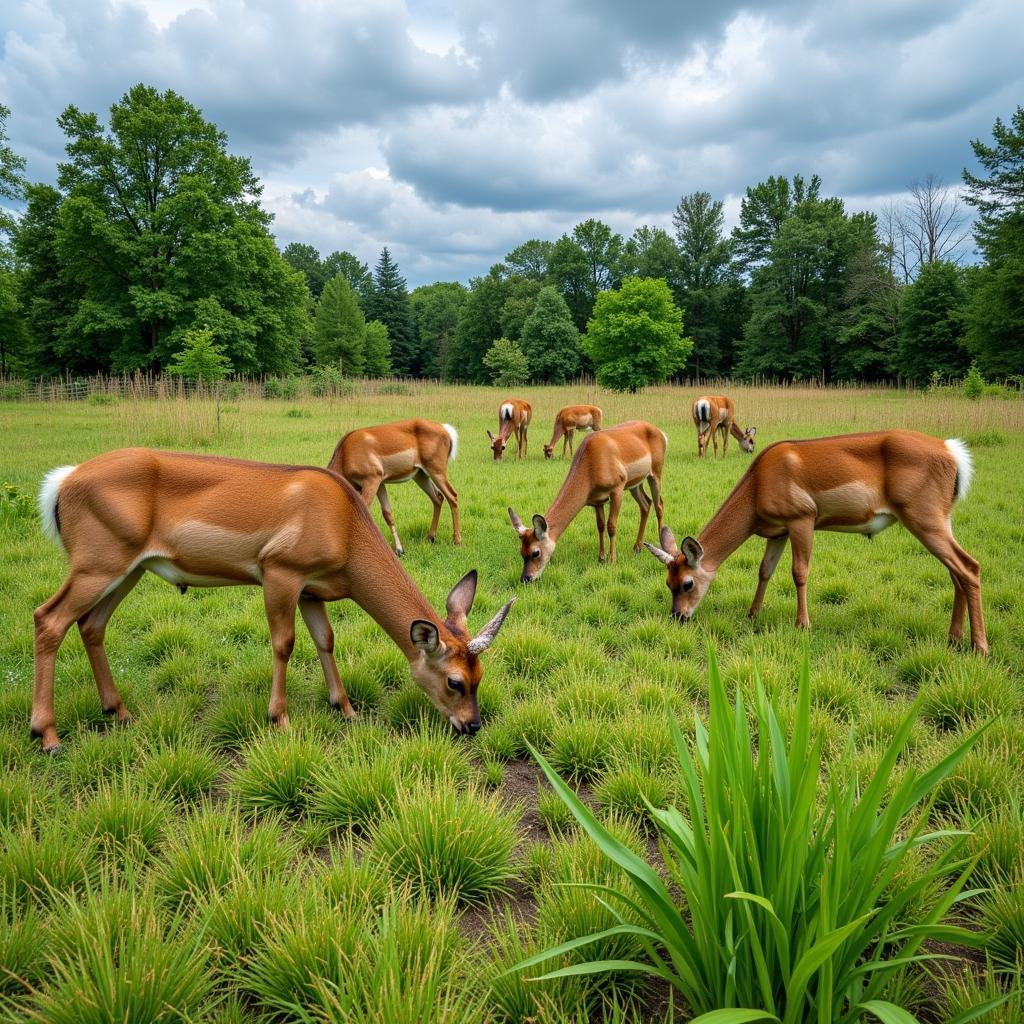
(687, 580)
(536, 546)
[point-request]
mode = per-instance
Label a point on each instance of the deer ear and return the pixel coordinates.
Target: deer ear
(460, 600)
(662, 556)
(425, 636)
(540, 527)
(517, 523)
(692, 551)
(668, 541)
(751, 431)
(490, 437)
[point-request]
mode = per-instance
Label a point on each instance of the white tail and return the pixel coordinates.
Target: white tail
(454, 435)
(703, 411)
(506, 411)
(964, 466)
(49, 491)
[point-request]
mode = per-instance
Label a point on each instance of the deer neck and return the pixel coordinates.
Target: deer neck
(556, 435)
(735, 431)
(570, 500)
(382, 588)
(731, 525)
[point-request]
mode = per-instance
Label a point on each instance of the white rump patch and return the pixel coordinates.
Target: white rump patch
(454, 435)
(704, 411)
(506, 411)
(49, 491)
(964, 465)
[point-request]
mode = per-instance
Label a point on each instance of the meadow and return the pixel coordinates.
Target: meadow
(199, 865)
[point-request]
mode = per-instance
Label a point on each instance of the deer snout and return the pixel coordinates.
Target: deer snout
(681, 616)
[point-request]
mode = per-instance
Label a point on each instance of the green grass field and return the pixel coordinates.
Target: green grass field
(200, 866)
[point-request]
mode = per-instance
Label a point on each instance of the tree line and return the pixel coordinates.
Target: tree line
(154, 240)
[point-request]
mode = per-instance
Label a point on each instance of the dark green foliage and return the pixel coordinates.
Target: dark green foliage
(339, 330)
(306, 260)
(356, 273)
(435, 312)
(550, 341)
(635, 337)
(377, 350)
(589, 262)
(478, 328)
(12, 180)
(765, 208)
(161, 229)
(931, 335)
(530, 260)
(389, 303)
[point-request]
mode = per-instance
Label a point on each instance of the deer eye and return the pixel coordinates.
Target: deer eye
(456, 685)
(535, 554)
(688, 583)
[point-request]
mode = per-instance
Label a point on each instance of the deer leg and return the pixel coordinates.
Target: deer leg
(939, 540)
(773, 549)
(389, 517)
(801, 535)
(368, 489)
(659, 502)
(567, 439)
(599, 513)
(614, 504)
(79, 593)
(714, 440)
(725, 441)
(280, 596)
(93, 627)
(424, 483)
(440, 481)
(314, 614)
(956, 624)
(640, 495)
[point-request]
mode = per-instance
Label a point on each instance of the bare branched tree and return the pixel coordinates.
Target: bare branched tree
(932, 224)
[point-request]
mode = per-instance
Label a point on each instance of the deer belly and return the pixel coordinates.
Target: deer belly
(637, 472)
(879, 521)
(189, 576)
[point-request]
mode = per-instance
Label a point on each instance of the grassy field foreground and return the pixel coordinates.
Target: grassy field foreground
(200, 866)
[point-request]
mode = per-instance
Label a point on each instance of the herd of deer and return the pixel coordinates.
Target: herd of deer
(305, 535)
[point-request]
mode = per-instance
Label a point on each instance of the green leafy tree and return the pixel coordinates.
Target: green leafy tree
(592, 260)
(339, 329)
(994, 315)
(13, 335)
(704, 250)
(306, 259)
(799, 296)
(649, 252)
(763, 211)
(47, 297)
(522, 298)
(530, 260)
(932, 333)
(635, 336)
(377, 350)
(12, 179)
(356, 272)
(509, 367)
(200, 357)
(389, 303)
(435, 312)
(550, 340)
(160, 228)
(478, 328)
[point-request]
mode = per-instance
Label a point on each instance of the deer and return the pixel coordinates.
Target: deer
(514, 415)
(417, 450)
(568, 421)
(301, 533)
(606, 464)
(714, 414)
(852, 483)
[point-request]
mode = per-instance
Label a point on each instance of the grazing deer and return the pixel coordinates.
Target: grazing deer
(568, 421)
(417, 450)
(514, 415)
(714, 414)
(854, 483)
(300, 533)
(605, 465)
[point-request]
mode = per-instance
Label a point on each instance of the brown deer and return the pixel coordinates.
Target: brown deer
(716, 414)
(417, 450)
(514, 415)
(300, 533)
(605, 465)
(854, 483)
(568, 421)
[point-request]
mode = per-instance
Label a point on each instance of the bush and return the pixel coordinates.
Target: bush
(974, 383)
(797, 906)
(281, 387)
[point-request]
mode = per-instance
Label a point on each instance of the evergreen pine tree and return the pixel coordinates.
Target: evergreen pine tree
(389, 303)
(339, 329)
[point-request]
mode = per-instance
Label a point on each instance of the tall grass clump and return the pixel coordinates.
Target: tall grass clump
(278, 773)
(116, 959)
(448, 841)
(797, 905)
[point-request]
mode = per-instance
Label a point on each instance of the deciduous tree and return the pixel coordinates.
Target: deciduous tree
(509, 367)
(550, 341)
(635, 336)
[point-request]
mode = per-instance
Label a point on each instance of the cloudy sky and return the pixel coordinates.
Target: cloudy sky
(452, 132)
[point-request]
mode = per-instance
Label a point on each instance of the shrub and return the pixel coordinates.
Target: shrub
(281, 387)
(448, 841)
(795, 907)
(974, 383)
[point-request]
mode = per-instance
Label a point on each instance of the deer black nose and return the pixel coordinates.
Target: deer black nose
(472, 727)
(525, 579)
(680, 616)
